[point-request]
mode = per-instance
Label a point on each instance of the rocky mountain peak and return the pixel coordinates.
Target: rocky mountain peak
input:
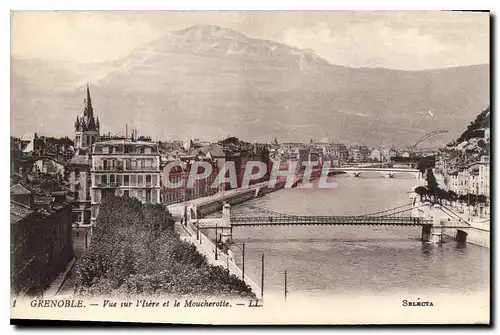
(202, 31)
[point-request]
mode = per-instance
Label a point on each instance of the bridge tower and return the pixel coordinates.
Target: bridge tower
(226, 235)
(433, 233)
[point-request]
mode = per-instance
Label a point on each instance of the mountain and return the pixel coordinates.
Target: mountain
(209, 81)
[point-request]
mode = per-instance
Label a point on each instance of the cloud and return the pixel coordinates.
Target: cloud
(396, 41)
(77, 36)
(401, 40)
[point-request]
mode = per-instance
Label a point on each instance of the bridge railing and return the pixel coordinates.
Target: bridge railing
(346, 220)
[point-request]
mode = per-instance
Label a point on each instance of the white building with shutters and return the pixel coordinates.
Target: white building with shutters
(125, 167)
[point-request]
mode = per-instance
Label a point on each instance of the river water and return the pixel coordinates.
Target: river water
(325, 260)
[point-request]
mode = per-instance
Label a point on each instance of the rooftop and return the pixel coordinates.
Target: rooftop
(18, 212)
(80, 160)
(19, 189)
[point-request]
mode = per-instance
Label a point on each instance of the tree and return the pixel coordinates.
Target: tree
(442, 195)
(135, 251)
(481, 198)
(425, 163)
(452, 195)
(472, 199)
(421, 191)
(432, 185)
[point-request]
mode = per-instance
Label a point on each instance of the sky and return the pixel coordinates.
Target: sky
(410, 40)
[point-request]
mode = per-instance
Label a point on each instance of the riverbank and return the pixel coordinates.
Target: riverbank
(478, 232)
(207, 248)
(213, 203)
(208, 205)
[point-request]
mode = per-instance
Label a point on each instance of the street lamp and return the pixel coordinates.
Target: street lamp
(242, 248)
(216, 241)
(197, 229)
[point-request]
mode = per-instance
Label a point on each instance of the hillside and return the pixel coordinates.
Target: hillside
(475, 129)
(208, 82)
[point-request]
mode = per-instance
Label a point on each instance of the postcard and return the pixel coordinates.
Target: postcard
(250, 167)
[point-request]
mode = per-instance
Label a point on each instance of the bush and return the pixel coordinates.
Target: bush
(135, 251)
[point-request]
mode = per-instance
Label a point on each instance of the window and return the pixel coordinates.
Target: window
(112, 178)
(148, 196)
(126, 149)
(125, 180)
(148, 178)
(77, 217)
(126, 193)
(77, 189)
(105, 150)
(104, 179)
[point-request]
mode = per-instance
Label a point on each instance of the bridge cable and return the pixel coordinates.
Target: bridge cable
(386, 210)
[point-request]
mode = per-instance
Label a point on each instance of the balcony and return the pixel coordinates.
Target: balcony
(126, 168)
(107, 185)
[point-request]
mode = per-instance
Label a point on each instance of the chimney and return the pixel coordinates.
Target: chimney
(24, 174)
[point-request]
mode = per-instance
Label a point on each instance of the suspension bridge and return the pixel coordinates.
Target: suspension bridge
(407, 215)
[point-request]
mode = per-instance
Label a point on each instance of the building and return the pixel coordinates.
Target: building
(41, 240)
(80, 184)
(30, 143)
(355, 155)
(364, 153)
(48, 165)
(479, 177)
(336, 151)
(487, 134)
(86, 133)
(405, 154)
(166, 147)
(125, 167)
(376, 155)
(458, 180)
(178, 175)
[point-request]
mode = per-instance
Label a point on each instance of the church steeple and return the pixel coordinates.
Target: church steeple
(89, 111)
(86, 126)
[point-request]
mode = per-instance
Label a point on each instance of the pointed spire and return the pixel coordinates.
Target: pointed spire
(88, 110)
(89, 103)
(97, 122)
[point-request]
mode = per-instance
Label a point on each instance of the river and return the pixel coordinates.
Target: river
(326, 260)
